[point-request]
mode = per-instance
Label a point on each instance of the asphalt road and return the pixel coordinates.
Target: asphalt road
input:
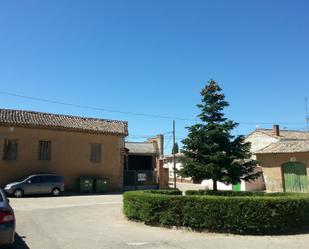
(91, 222)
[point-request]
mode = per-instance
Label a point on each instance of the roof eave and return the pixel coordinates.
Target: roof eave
(61, 128)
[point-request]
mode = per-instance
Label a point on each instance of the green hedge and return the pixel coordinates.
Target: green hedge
(239, 193)
(165, 191)
(235, 214)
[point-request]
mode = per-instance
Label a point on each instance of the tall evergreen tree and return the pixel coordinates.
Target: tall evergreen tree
(210, 150)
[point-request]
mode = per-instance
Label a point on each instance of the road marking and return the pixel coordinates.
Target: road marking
(32, 207)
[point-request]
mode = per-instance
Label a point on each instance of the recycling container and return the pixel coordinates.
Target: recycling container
(100, 185)
(85, 184)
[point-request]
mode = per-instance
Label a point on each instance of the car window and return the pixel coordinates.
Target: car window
(57, 178)
(47, 179)
(25, 179)
(1, 197)
(36, 179)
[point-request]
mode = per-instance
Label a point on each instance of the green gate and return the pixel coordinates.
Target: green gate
(236, 187)
(295, 177)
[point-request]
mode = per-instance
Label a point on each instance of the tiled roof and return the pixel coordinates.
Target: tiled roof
(290, 134)
(286, 146)
(63, 122)
(141, 148)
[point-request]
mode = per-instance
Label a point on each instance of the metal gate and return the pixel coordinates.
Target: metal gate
(139, 179)
(236, 187)
(295, 177)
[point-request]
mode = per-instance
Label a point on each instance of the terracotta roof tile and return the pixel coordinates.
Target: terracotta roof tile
(66, 122)
(286, 134)
(285, 146)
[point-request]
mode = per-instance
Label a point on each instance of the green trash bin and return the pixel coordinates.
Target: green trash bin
(85, 184)
(100, 185)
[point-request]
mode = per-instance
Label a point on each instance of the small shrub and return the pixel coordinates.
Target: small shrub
(247, 214)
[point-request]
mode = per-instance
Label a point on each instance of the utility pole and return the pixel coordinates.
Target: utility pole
(174, 153)
(307, 117)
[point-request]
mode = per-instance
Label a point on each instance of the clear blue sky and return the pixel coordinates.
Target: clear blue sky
(154, 57)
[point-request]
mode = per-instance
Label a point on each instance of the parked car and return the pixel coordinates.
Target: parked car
(36, 184)
(7, 221)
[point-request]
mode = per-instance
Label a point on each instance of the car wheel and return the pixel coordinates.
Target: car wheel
(18, 193)
(56, 192)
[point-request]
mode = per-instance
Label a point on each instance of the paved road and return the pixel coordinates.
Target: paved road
(91, 222)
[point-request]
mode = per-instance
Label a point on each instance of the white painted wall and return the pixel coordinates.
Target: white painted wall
(259, 140)
(222, 186)
(170, 166)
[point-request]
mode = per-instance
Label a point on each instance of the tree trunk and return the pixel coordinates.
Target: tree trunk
(214, 184)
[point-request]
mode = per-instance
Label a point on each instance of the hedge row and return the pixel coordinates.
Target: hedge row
(237, 214)
(165, 191)
(239, 193)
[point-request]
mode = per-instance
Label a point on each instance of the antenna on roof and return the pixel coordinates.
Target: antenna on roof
(307, 117)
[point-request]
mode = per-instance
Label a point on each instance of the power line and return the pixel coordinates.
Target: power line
(168, 143)
(93, 107)
(126, 112)
(147, 136)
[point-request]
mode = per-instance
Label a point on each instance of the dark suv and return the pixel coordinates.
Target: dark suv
(36, 184)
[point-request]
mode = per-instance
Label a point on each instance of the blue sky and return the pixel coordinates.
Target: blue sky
(155, 56)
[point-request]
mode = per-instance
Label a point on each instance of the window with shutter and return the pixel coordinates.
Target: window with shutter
(44, 152)
(10, 149)
(95, 153)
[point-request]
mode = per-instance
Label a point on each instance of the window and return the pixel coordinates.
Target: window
(47, 179)
(10, 149)
(44, 150)
(57, 179)
(36, 179)
(95, 153)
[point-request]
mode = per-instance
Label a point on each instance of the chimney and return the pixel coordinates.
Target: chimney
(160, 139)
(276, 130)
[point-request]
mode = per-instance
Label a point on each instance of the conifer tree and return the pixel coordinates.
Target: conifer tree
(210, 150)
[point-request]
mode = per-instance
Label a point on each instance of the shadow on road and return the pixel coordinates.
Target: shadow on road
(19, 243)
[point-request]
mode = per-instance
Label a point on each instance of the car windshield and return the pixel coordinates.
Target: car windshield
(24, 179)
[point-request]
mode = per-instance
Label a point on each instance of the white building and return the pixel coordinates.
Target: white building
(169, 164)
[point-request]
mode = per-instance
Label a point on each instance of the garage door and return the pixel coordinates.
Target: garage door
(295, 177)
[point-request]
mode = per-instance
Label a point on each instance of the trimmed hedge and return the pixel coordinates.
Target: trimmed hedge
(165, 191)
(235, 214)
(239, 193)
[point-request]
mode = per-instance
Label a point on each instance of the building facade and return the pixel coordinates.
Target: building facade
(144, 164)
(283, 156)
(34, 142)
(169, 164)
(285, 165)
